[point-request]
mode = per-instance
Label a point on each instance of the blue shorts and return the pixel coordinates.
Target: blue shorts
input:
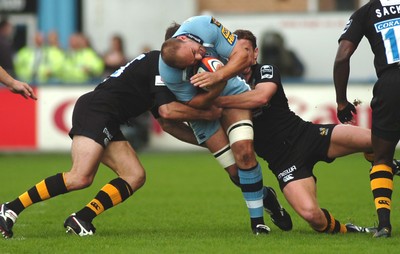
(202, 129)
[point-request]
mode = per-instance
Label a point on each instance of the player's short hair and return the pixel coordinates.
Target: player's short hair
(171, 30)
(246, 35)
(169, 51)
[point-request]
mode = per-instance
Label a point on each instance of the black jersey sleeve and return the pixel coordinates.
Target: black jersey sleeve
(354, 29)
(162, 96)
(266, 73)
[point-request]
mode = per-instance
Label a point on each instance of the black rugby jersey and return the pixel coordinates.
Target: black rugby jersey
(379, 22)
(133, 89)
(274, 122)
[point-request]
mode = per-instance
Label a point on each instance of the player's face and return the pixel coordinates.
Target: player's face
(190, 53)
(252, 53)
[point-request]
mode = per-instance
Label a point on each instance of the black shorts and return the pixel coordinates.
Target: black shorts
(98, 125)
(385, 106)
(297, 156)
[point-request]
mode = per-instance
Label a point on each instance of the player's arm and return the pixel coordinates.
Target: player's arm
(179, 111)
(178, 130)
(239, 59)
(341, 72)
(16, 86)
(258, 97)
(204, 100)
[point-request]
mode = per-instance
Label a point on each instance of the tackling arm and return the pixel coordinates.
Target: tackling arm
(205, 100)
(181, 112)
(258, 97)
(179, 130)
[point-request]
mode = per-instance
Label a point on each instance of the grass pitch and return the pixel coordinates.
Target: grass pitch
(188, 205)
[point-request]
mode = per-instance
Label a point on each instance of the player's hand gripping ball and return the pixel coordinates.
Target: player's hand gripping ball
(208, 64)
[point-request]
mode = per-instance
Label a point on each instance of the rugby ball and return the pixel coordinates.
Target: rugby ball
(209, 64)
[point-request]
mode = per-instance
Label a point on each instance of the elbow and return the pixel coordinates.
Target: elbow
(261, 101)
(165, 112)
(341, 60)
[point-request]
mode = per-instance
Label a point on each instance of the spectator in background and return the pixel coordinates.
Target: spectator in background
(274, 52)
(145, 48)
(115, 55)
(40, 63)
(82, 63)
(57, 56)
(52, 40)
(6, 51)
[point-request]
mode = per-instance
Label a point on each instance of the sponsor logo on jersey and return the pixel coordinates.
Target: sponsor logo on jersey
(230, 37)
(194, 38)
(323, 131)
(108, 138)
(159, 81)
(391, 23)
(267, 71)
(287, 178)
(347, 26)
(201, 136)
(287, 175)
(215, 22)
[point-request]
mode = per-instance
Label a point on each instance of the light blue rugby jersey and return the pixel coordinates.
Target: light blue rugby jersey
(218, 41)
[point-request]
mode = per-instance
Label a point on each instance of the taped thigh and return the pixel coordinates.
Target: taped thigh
(225, 156)
(241, 130)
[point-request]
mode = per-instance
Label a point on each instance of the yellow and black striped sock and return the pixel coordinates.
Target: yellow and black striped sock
(113, 193)
(48, 188)
(381, 179)
(333, 226)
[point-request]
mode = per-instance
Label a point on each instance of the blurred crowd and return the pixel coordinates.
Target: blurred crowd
(45, 62)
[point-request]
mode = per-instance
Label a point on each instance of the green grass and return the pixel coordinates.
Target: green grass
(188, 205)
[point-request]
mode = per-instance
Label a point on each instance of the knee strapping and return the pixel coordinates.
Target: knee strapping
(242, 130)
(225, 156)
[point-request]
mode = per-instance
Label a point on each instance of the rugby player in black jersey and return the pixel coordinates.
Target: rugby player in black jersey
(379, 22)
(292, 146)
(96, 138)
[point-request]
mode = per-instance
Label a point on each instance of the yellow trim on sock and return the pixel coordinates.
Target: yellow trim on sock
(381, 167)
(343, 228)
(65, 182)
(382, 183)
(113, 193)
(332, 226)
(42, 190)
(25, 199)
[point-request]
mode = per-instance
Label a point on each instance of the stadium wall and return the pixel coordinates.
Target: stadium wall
(43, 125)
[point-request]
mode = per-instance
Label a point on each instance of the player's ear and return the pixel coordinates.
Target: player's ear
(182, 37)
(256, 54)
